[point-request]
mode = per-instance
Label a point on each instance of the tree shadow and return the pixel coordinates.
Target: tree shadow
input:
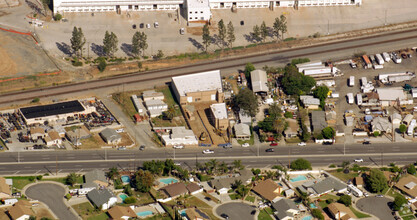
(64, 48)
(271, 32)
(127, 48)
(249, 38)
(196, 44)
(98, 49)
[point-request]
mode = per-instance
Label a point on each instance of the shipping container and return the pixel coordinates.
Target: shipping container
(315, 71)
(368, 63)
(359, 99)
(351, 81)
(350, 98)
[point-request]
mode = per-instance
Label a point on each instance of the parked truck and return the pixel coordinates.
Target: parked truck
(364, 81)
(386, 56)
(359, 99)
(351, 81)
(367, 62)
(379, 59)
(350, 98)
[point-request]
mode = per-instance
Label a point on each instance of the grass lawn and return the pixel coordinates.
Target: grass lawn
(408, 217)
(391, 192)
(102, 216)
(143, 198)
(159, 217)
(323, 204)
(20, 181)
(250, 198)
(234, 196)
(87, 211)
(214, 199)
(405, 211)
(62, 180)
(359, 214)
(343, 176)
(264, 214)
(124, 100)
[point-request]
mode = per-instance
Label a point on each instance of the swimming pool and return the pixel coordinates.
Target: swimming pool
(307, 217)
(125, 179)
(313, 206)
(182, 213)
(298, 178)
(145, 213)
(123, 197)
(168, 180)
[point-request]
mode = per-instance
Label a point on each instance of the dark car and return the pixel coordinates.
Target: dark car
(224, 216)
(366, 142)
(134, 26)
(242, 23)
(141, 25)
(142, 147)
(270, 150)
(327, 143)
(207, 198)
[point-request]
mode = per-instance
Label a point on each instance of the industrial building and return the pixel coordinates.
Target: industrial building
(219, 117)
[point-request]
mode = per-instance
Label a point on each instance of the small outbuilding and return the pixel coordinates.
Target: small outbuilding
(110, 136)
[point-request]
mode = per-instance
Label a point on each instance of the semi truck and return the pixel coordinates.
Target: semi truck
(350, 98)
(379, 59)
(367, 62)
(351, 81)
(386, 56)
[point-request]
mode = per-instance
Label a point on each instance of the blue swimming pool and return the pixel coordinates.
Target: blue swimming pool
(123, 197)
(168, 180)
(182, 213)
(298, 178)
(125, 179)
(307, 218)
(313, 206)
(145, 213)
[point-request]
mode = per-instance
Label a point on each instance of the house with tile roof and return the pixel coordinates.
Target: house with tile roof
(121, 213)
(21, 210)
(268, 189)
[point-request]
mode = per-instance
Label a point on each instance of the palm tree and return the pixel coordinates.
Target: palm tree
(271, 174)
(213, 164)
(113, 172)
(71, 179)
(237, 184)
(242, 191)
(223, 167)
(237, 164)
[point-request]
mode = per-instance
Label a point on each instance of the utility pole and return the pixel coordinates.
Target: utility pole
(328, 27)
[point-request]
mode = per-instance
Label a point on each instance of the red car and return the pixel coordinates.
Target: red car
(273, 144)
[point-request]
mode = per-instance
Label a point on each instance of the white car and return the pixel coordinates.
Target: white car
(208, 151)
(358, 160)
(182, 32)
(156, 24)
(245, 145)
(302, 144)
(120, 130)
(148, 26)
(178, 146)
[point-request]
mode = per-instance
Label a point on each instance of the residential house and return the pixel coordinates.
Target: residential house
(199, 87)
(196, 214)
(78, 134)
(223, 184)
(37, 133)
(393, 96)
(292, 129)
(289, 193)
(242, 131)
(395, 119)
(318, 121)
(408, 185)
(219, 117)
(174, 190)
(96, 176)
(414, 92)
(381, 124)
(152, 95)
(340, 211)
(259, 82)
(324, 186)
(268, 190)
(110, 136)
(121, 213)
(10, 201)
(194, 188)
(179, 136)
(407, 119)
(244, 118)
(310, 102)
(21, 210)
(61, 130)
(155, 107)
(358, 181)
(5, 189)
(102, 198)
(53, 138)
(285, 209)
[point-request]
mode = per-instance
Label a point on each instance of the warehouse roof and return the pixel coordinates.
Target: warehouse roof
(199, 82)
(391, 94)
(259, 81)
(219, 110)
(52, 109)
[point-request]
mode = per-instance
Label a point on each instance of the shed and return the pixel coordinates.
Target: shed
(395, 118)
(259, 81)
(110, 136)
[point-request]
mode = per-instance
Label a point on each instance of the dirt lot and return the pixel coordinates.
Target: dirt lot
(20, 56)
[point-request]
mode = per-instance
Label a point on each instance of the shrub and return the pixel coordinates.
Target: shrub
(35, 100)
(130, 200)
(140, 65)
(399, 201)
(288, 115)
(316, 213)
(332, 166)
(345, 199)
(58, 17)
(77, 63)
(301, 164)
(31, 178)
(102, 65)
(39, 177)
(68, 196)
(328, 201)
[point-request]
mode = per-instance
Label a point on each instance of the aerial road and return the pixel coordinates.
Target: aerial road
(40, 162)
(333, 50)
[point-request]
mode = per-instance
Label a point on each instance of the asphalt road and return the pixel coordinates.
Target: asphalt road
(376, 206)
(333, 51)
(40, 162)
(236, 211)
(52, 195)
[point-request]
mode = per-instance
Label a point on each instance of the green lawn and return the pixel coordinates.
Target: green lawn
(102, 216)
(250, 198)
(359, 214)
(391, 192)
(343, 176)
(214, 199)
(87, 211)
(20, 181)
(405, 211)
(264, 214)
(323, 204)
(408, 217)
(234, 196)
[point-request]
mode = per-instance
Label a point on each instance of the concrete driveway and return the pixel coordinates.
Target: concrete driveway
(236, 210)
(376, 206)
(53, 196)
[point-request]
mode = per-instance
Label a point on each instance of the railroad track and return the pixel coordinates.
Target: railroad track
(202, 66)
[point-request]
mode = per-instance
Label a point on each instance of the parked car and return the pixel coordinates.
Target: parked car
(358, 160)
(156, 24)
(141, 25)
(380, 196)
(178, 146)
(182, 31)
(327, 143)
(148, 26)
(120, 130)
(365, 194)
(142, 147)
(121, 148)
(302, 144)
(224, 216)
(366, 142)
(270, 150)
(134, 26)
(245, 145)
(273, 144)
(208, 151)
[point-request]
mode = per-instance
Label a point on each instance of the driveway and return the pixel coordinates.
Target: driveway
(376, 206)
(236, 210)
(53, 196)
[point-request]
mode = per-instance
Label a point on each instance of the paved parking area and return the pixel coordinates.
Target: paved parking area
(376, 206)
(236, 210)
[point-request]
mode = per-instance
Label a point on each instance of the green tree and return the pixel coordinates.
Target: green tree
(169, 113)
(328, 132)
(247, 101)
(249, 67)
(237, 184)
(127, 190)
(71, 179)
(159, 55)
(288, 115)
(376, 133)
(112, 173)
(130, 200)
(35, 100)
(295, 83)
(143, 42)
(277, 27)
(230, 34)
(256, 33)
(403, 128)
(136, 43)
(264, 31)
(102, 64)
(144, 181)
(345, 199)
(411, 169)
(399, 201)
(206, 37)
(110, 43)
(321, 92)
(376, 181)
(58, 17)
(316, 213)
(283, 26)
(223, 168)
(222, 32)
(300, 164)
(237, 164)
(77, 41)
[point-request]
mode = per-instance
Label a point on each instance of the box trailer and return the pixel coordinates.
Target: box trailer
(364, 81)
(359, 99)
(351, 81)
(315, 71)
(354, 190)
(367, 62)
(378, 66)
(350, 98)
(411, 127)
(386, 56)
(379, 59)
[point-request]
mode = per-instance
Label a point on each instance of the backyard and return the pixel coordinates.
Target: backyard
(87, 211)
(344, 176)
(265, 213)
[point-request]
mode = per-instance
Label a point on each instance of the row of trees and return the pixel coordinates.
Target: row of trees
(110, 43)
(226, 35)
(279, 28)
